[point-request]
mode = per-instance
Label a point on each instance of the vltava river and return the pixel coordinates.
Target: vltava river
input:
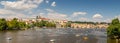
(54, 36)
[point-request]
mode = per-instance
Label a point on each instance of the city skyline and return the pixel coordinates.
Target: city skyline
(77, 10)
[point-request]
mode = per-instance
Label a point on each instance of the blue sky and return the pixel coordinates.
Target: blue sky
(75, 10)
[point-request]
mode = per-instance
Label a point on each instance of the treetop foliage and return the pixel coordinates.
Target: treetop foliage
(113, 31)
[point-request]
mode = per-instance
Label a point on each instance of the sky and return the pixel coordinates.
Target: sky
(73, 10)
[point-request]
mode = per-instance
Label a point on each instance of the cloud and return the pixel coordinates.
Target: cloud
(17, 16)
(53, 4)
(47, 1)
(118, 16)
(17, 8)
(78, 13)
(55, 15)
(83, 19)
(49, 10)
(107, 20)
(41, 14)
(10, 14)
(21, 4)
(7, 12)
(97, 16)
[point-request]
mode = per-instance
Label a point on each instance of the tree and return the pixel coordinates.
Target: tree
(22, 25)
(115, 21)
(13, 24)
(40, 23)
(3, 24)
(50, 24)
(68, 24)
(44, 23)
(113, 31)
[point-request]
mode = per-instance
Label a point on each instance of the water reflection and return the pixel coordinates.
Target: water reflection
(54, 36)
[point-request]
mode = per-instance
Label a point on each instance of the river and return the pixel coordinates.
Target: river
(54, 36)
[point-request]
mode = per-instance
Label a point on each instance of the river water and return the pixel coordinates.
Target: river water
(54, 36)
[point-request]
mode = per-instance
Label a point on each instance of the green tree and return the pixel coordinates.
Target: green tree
(3, 24)
(40, 23)
(50, 24)
(115, 21)
(13, 24)
(68, 24)
(45, 23)
(113, 31)
(22, 25)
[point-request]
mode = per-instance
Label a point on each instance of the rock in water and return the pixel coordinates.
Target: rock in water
(52, 40)
(77, 35)
(85, 38)
(9, 38)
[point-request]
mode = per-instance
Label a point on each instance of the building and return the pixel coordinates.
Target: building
(39, 18)
(76, 25)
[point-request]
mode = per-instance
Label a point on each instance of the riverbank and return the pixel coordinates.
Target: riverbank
(112, 40)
